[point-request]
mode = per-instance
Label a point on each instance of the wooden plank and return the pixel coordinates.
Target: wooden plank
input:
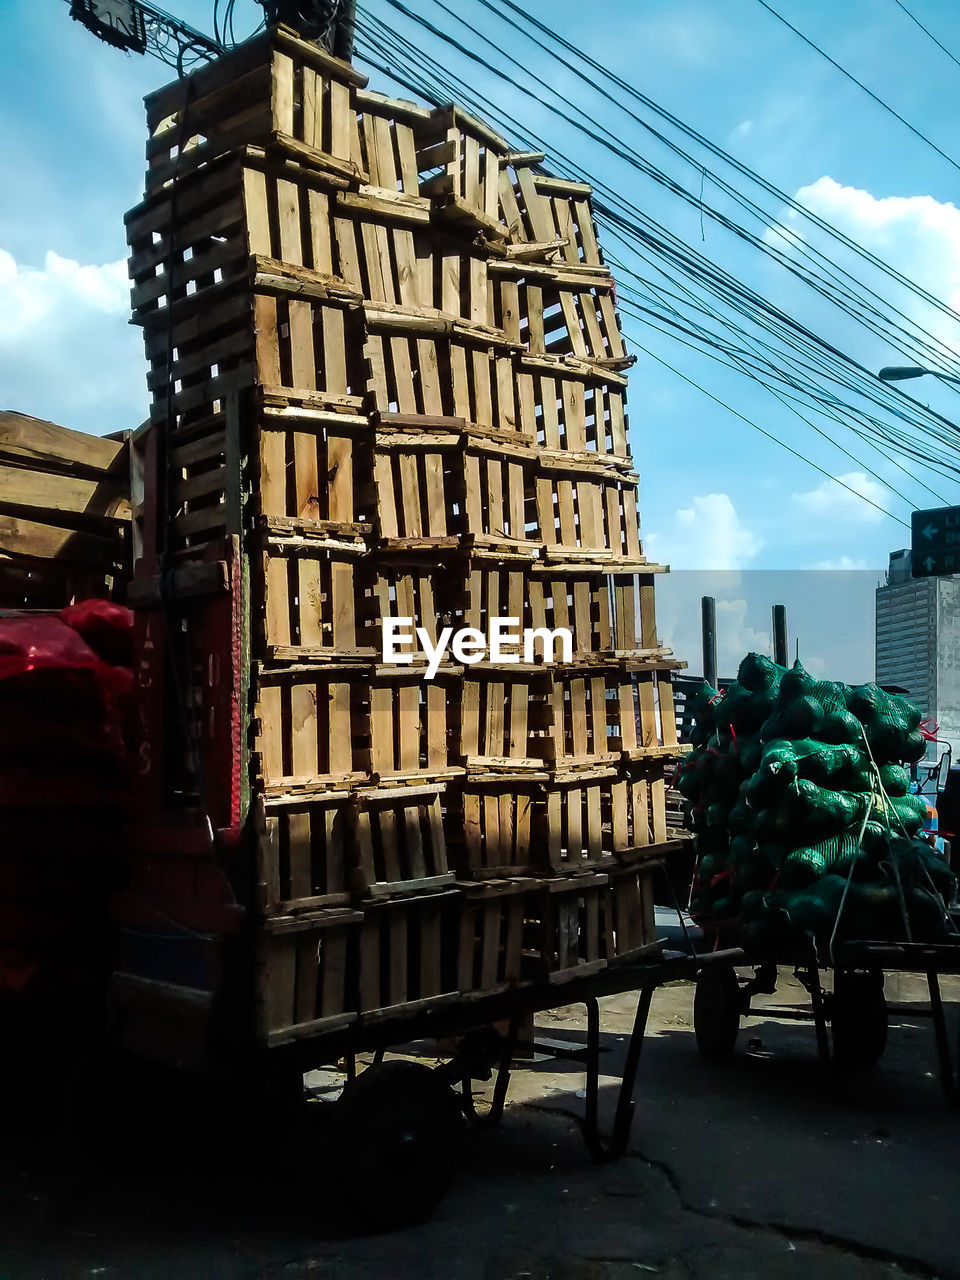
(281, 77)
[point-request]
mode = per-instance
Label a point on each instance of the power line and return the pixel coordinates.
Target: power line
(928, 354)
(743, 169)
(413, 72)
(458, 91)
(860, 85)
(926, 31)
(776, 439)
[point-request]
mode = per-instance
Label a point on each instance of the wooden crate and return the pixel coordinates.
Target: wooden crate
(571, 832)
(399, 841)
(561, 410)
(490, 822)
(440, 482)
(312, 728)
(568, 931)
(491, 934)
(308, 466)
(274, 90)
(440, 367)
(590, 606)
(459, 159)
(419, 488)
(408, 955)
(638, 815)
(629, 907)
(412, 587)
(191, 243)
(303, 599)
(64, 514)
(504, 716)
(384, 141)
(587, 706)
(566, 314)
(587, 510)
(410, 725)
(304, 980)
(493, 589)
(303, 851)
(543, 210)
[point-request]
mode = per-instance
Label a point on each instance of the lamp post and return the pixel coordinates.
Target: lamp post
(900, 373)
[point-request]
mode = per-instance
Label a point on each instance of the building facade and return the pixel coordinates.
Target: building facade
(918, 642)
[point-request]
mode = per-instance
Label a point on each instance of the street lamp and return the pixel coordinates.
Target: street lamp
(899, 373)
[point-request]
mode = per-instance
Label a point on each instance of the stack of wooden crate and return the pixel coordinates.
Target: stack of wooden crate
(387, 382)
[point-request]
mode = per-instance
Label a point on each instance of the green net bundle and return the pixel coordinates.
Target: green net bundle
(796, 790)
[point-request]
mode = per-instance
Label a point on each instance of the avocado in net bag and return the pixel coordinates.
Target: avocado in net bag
(810, 862)
(806, 807)
(760, 674)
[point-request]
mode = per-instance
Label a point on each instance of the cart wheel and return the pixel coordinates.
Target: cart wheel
(859, 1019)
(716, 1011)
(399, 1133)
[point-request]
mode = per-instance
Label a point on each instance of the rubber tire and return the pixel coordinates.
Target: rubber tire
(858, 1017)
(398, 1137)
(716, 1011)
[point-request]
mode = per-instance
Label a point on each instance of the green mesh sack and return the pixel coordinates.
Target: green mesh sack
(809, 863)
(760, 674)
(814, 909)
(739, 819)
(902, 813)
(795, 683)
(799, 718)
(756, 872)
(776, 774)
(724, 908)
(741, 847)
(894, 779)
(806, 805)
(891, 724)
(823, 761)
(871, 913)
(765, 827)
(750, 753)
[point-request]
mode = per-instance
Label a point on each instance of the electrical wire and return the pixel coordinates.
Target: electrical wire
(783, 445)
(844, 279)
(604, 72)
(926, 31)
(404, 63)
(838, 296)
(860, 85)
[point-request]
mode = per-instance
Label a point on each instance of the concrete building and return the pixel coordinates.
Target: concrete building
(918, 642)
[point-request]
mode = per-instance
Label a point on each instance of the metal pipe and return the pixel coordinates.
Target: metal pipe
(708, 622)
(780, 645)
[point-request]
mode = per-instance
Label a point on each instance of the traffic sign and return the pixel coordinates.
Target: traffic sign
(935, 542)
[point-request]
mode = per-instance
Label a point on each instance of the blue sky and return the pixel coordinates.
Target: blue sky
(715, 495)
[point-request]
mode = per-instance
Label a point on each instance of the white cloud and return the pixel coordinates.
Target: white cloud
(844, 563)
(839, 503)
(742, 129)
(918, 235)
(706, 535)
(736, 638)
(67, 351)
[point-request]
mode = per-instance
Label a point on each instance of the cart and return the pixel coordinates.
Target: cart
(851, 1020)
(395, 1132)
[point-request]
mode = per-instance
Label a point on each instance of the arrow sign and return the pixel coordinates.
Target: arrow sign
(935, 542)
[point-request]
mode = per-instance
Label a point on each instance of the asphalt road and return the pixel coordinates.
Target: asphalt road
(761, 1167)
